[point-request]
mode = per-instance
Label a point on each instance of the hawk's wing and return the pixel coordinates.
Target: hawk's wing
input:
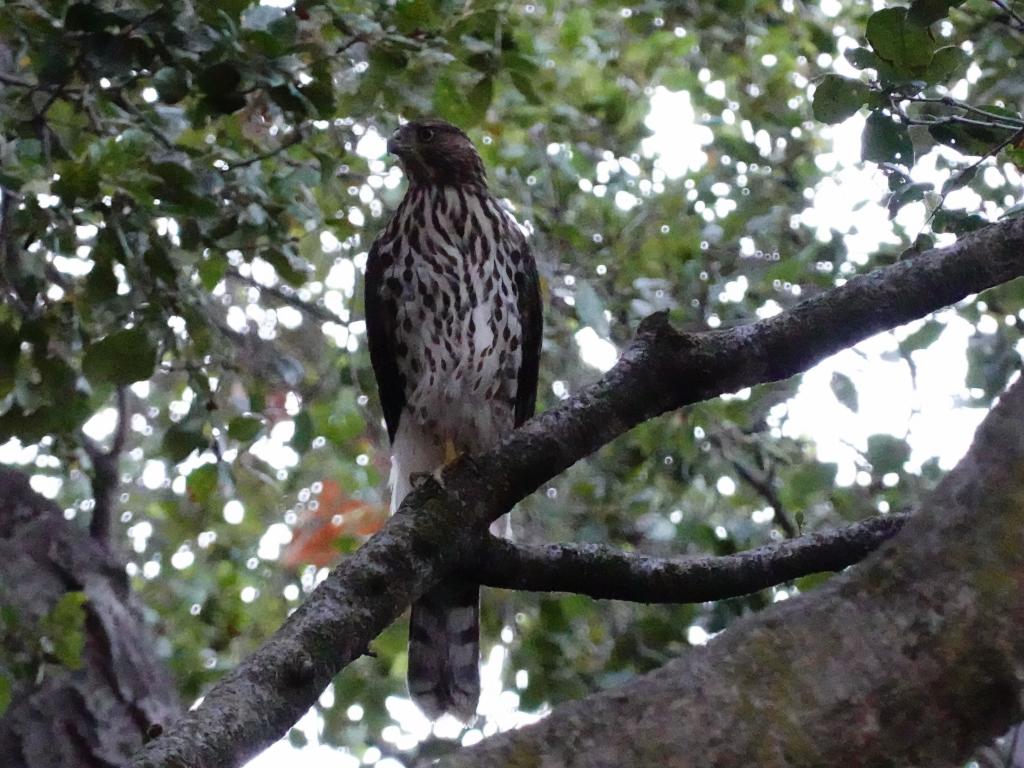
(380, 334)
(531, 318)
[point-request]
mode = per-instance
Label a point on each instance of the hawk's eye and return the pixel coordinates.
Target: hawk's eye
(426, 134)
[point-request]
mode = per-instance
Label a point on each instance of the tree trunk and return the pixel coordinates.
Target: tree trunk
(59, 717)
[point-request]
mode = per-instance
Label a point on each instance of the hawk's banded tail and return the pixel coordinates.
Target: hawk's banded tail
(444, 650)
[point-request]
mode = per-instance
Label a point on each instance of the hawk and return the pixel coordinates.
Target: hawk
(453, 320)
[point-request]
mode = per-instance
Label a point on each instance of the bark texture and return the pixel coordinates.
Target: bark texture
(98, 715)
(911, 659)
(438, 527)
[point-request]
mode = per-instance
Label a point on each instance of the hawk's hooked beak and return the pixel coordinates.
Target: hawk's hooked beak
(399, 143)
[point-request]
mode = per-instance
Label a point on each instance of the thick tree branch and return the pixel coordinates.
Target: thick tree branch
(912, 658)
(437, 528)
(608, 573)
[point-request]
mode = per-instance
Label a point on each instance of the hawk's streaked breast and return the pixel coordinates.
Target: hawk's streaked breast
(450, 257)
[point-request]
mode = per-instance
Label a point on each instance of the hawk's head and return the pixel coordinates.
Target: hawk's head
(436, 152)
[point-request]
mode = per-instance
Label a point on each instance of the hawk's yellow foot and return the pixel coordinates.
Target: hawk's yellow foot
(451, 455)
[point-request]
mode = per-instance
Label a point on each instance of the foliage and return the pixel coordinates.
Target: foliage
(189, 191)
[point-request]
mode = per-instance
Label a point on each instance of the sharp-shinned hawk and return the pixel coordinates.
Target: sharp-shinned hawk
(453, 317)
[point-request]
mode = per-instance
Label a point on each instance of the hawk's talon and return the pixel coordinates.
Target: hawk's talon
(451, 453)
(419, 479)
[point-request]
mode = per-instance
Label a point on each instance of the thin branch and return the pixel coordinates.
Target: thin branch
(611, 574)
(438, 527)
(993, 151)
(19, 82)
(764, 486)
(1005, 8)
(293, 138)
(104, 477)
(1004, 121)
(314, 311)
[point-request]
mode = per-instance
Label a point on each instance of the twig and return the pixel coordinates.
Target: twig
(1011, 13)
(764, 487)
(294, 138)
(20, 82)
(970, 169)
(1005, 121)
(312, 310)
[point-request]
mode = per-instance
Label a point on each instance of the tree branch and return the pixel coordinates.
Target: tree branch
(104, 478)
(437, 528)
(611, 574)
(912, 658)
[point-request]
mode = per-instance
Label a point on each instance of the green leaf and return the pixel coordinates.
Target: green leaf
(897, 41)
(212, 270)
(968, 139)
(865, 58)
(416, 15)
(480, 96)
(28, 150)
(201, 483)
(219, 79)
(813, 581)
(524, 84)
(887, 453)
(64, 629)
(302, 439)
(78, 180)
(244, 428)
(451, 102)
(320, 90)
(6, 691)
(844, 390)
(907, 193)
(285, 266)
(220, 83)
(957, 222)
(183, 438)
(171, 84)
(886, 141)
(945, 63)
(959, 179)
(101, 283)
(590, 309)
(837, 98)
(261, 17)
(159, 264)
(123, 357)
(925, 12)
(922, 338)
